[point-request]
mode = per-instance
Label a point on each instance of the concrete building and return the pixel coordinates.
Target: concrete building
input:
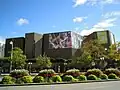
(61, 44)
(17, 42)
(2, 50)
(33, 45)
(56, 45)
(106, 38)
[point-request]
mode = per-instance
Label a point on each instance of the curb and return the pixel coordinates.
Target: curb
(59, 83)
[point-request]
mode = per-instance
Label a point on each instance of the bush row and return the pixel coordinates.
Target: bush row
(49, 75)
(56, 78)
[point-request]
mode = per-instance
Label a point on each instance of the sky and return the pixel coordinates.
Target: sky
(18, 17)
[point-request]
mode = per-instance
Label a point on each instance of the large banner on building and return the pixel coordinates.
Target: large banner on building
(102, 37)
(60, 40)
(76, 40)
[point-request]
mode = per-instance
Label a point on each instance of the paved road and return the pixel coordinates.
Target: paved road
(114, 85)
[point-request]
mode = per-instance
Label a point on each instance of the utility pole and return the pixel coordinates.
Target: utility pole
(11, 42)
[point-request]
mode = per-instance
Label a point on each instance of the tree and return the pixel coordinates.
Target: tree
(114, 54)
(18, 59)
(43, 61)
(91, 51)
(82, 61)
(95, 49)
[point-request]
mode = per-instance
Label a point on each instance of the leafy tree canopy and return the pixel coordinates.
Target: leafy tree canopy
(43, 61)
(18, 59)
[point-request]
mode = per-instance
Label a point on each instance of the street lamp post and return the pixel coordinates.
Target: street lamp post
(30, 63)
(59, 69)
(105, 49)
(103, 64)
(11, 42)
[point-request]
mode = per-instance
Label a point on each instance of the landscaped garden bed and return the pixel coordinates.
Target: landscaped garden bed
(48, 76)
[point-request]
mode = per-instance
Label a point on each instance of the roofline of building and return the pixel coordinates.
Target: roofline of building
(15, 38)
(57, 32)
(97, 31)
(33, 33)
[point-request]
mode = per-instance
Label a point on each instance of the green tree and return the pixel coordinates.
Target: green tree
(95, 49)
(114, 54)
(91, 51)
(84, 60)
(18, 59)
(43, 61)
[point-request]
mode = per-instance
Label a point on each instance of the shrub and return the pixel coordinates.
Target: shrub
(73, 72)
(68, 78)
(19, 73)
(81, 78)
(27, 79)
(96, 72)
(56, 78)
(112, 70)
(47, 73)
(104, 76)
(19, 81)
(38, 79)
(92, 77)
(8, 80)
(112, 76)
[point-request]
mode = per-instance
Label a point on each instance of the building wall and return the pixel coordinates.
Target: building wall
(65, 52)
(17, 42)
(38, 44)
(33, 45)
(2, 50)
(104, 38)
(92, 36)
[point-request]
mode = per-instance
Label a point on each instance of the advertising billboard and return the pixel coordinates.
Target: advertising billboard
(76, 40)
(60, 40)
(102, 37)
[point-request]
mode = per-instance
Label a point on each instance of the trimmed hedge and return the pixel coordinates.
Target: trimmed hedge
(68, 78)
(82, 78)
(92, 77)
(104, 77)
(38, 79)
(56, 78)
(47, 73)
(27, 79)
(19, 73)
(8, 80)
(112, 70)
(112, 76)
(73, 72)
(96, 72)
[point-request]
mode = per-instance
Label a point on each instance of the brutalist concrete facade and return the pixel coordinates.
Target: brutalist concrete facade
(17, 42)
(61, 52)
(33, 45)
(106, 38)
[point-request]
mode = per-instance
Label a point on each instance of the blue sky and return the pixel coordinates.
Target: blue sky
(42, 16)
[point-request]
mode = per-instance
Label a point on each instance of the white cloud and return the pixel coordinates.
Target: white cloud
(22, 21)
(100, 26)
(107, 1)
(106, 23)
(78, 19)
(94, 2)
(79, 2)
(87, 32)
(111, 14)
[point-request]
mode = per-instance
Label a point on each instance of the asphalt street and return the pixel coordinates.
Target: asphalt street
(113, 85)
